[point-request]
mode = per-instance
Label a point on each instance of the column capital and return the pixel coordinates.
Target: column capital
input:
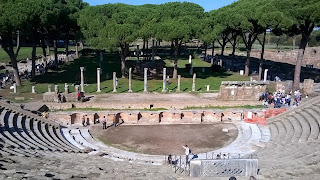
(81, 68)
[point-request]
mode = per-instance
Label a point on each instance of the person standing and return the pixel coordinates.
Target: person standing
(104, 123)
(186, 152)
(83, 121)
(114, 121)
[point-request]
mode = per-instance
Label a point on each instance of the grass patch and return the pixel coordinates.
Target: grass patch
(24, 53)
(224, 107)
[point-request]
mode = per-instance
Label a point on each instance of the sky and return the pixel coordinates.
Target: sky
(208, 5)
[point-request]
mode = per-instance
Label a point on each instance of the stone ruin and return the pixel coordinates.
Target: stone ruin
(241, 90)
(154, 67)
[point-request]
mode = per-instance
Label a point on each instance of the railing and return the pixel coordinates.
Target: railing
(178, 162)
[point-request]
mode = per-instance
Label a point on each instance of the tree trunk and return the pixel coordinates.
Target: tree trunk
(212, 53)
(144, 45)
(18, 39)
(33, 55)
(297, 71)
(234, 44)
(77, 50)
(124, 52)
(43, 46)
(262, 55)
(176, 49)
(48, 48)
(81, 45)
(67, 48)
(294, 42)
(55, 46)
(172, 50)
(147, 44)
(7, 45)
(205, 51)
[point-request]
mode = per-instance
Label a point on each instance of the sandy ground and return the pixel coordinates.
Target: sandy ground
(167, 139)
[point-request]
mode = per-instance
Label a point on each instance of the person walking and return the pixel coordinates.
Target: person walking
(186, 152)
(104, 123)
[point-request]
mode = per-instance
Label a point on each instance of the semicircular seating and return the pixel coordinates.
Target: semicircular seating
(293, 151)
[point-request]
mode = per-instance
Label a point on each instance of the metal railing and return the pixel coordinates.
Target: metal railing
(179, 165)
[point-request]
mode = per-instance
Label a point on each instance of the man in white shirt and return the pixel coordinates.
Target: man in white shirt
(186, 152)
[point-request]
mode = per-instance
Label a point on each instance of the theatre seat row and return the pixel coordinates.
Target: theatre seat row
(25, 134)
(293, 151)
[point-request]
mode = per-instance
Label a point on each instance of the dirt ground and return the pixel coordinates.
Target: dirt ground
(167, 139)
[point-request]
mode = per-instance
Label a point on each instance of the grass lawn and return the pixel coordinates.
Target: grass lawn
(70, 73)
(24, 53)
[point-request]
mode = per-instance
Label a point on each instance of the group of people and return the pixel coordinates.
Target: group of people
(280, 99)
(85, 122)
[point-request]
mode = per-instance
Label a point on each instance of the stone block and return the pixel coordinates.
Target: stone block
(129, 117)
(308, 86)
(211, 117)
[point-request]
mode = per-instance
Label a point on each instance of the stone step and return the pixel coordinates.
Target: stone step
(297, 129)
(306, 128)
(289, 129)
(314, 132)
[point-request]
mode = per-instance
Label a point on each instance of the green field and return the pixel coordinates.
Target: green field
(70, 73)
(24, 53)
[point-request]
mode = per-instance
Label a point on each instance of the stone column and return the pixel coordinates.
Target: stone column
(66, 88)
(194, 82)
(130, 80)
(265, 75)
(14, 88)
(56, 89)
(98, 80)
(179, 81)
(164, 80)
(33, 89)
(49, 88)
(145, 80)
(76, 88)
(190, 59)
(82, 81)
(3, 81)
(114, 82)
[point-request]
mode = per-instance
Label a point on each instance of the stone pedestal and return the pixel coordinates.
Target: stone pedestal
(164, 80)
(49, 88)
(82, 80)
(114, 82)
(145, 80)
(56, 89)
(76, 88)
(98, 80)
(14, 88)
(66, 88)
(179, 81)
(33, 89)
(308, 86)
(208, 87)
(3, 81)
(194, 82)
(265, 75)
(130, 80)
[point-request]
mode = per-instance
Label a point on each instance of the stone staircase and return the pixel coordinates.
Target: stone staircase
(293, 150)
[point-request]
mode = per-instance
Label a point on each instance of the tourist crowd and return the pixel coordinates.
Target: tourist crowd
(280, 99)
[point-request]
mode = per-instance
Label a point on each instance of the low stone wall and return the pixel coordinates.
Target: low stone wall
(241, 90)
(311, 56)
(159, 117)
